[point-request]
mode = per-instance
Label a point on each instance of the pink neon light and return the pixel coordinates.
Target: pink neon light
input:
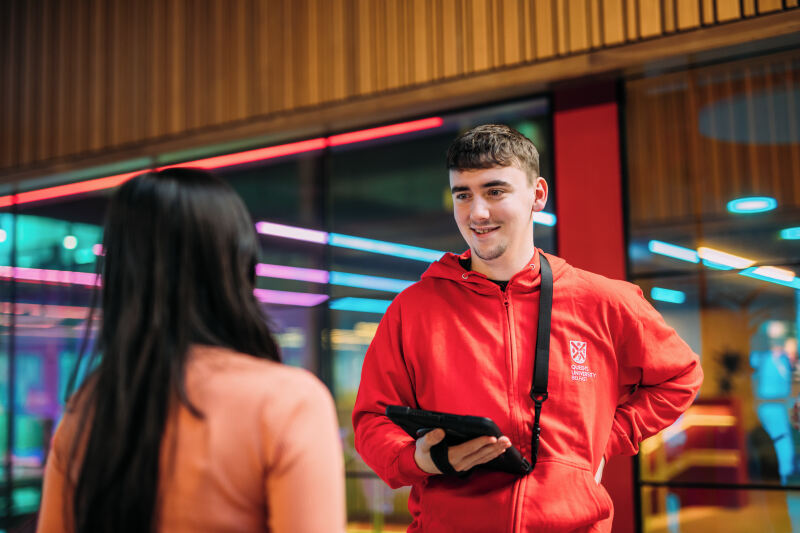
(292, 232)
(66, 190)
(50, 276)
(296, 273)
(97, 249)
(249, 156)
(66, 277)
(303, 299)
(385, 131)
(260, 154)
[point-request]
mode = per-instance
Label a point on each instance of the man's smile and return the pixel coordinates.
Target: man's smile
(484, 231)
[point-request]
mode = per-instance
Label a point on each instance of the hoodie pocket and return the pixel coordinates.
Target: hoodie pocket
(562, 497)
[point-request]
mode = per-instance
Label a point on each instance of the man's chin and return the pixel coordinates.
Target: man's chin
(489, 255)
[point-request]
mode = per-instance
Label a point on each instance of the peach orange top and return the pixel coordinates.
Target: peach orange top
(265, 457)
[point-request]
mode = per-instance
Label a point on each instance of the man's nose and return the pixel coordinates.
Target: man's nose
(479, 210)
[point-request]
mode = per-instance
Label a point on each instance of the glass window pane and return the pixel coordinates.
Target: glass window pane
(714, 197)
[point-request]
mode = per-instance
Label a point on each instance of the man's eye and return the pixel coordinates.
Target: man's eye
(461, 196)
(495, 192)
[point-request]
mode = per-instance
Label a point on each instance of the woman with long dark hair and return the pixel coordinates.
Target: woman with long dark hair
(187, 421)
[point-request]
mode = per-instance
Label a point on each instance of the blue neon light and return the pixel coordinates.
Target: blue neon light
(544, 218)
(671, 250)
(751, 273)
(791, 233)
(362, 305)
(667, 295)
(384, 247)
(716, 266)
(368, 282)
(752, 204)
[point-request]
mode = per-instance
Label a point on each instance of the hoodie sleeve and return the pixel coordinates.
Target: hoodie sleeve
(385, 380)
(664, 371)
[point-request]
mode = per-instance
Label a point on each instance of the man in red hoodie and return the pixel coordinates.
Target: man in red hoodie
(463, 340)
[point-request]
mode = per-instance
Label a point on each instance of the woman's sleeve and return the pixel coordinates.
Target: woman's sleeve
(304, 474)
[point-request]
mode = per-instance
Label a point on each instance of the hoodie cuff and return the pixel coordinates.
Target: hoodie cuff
(618, 443)
(407, 467)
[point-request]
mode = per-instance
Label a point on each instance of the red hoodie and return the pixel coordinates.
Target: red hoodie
(455, 342)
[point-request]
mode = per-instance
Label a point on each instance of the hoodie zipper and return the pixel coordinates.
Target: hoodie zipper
(516, 490)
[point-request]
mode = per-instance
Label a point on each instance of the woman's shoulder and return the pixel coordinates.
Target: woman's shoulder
(253, 374)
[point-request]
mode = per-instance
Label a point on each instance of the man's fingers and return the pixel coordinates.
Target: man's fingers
(471, 446)
(432, 438)
(484, 455)
(479, 451)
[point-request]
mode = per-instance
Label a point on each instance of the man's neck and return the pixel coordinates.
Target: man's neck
(505, 266)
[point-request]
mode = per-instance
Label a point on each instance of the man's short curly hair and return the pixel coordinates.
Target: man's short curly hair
(493, 145)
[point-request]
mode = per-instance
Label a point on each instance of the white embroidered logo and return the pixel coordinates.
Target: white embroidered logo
(577, 350)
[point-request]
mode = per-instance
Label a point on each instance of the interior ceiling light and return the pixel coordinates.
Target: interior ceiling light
(791, 233)
(776, 275)
(780, 274)
(667, 295)
(717, 257)
(752, 204)
(671, 250)
(721, 260)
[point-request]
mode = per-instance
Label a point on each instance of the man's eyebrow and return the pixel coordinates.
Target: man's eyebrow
(487, 185)
(495, 183)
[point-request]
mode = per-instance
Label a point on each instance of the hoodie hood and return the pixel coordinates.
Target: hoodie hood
(526, 280)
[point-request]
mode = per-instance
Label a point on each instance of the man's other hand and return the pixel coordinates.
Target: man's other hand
(463, 456)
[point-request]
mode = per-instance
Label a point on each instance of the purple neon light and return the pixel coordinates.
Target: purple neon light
(286, 272)
(292, 232)
(303, 299)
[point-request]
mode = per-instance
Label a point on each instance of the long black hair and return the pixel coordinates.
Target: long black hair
(179, 269)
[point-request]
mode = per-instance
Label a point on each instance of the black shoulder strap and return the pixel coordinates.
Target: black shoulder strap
(542, 361)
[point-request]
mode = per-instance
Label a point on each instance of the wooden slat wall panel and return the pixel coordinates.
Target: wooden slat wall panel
(90, 76)
(679, 129)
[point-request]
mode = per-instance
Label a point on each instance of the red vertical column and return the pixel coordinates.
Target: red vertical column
(589, 204)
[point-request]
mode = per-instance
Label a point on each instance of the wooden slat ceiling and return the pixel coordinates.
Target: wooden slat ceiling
(88, 76)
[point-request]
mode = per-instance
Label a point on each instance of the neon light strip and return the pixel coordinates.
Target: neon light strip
(791, 233)
(334, 278)
(302, 299)
(250, 156)
(369, 282)
(759, 273)
(292, 232)
(260, 154)
(667, 295)
(670, 250)
(724, 261)
(384, 247)
(385, 131)
(717, 257)
(544, 218)
(38, 275)
(362, 305)
(66, 190)
(66, 277)
(286, 272)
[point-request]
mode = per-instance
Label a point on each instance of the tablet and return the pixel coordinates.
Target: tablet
(458, 429)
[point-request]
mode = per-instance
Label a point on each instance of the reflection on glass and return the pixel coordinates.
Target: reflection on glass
(680, 510)
(712, 159)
